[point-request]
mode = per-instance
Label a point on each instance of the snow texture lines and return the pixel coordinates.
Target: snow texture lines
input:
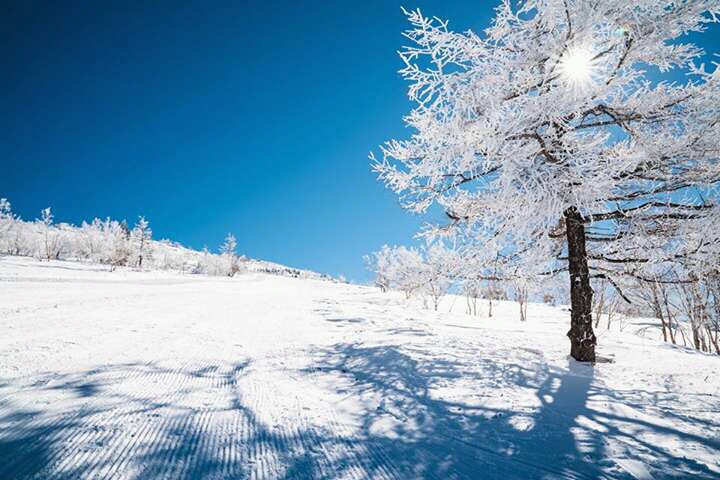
(265, 377)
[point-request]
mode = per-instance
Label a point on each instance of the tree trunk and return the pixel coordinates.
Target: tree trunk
(582, 337)
(600, 304)
(713, 340)
(669, 315)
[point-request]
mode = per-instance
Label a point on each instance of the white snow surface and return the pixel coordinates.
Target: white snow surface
(131, 374)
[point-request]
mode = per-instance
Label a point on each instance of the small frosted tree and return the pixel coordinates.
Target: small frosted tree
(401, 268)
(482, 273)
(118, 243)
(202, 262)
(50, 236)
(92, 241)
(520, 290)
(558, 137)
(438, 271)
(407, 270)
(380, 263)
(140, 238)
(429, 271)
(7, 222)
(5, 211)
(229, 255)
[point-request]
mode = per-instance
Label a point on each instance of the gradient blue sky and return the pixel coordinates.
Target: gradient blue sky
(211, 117)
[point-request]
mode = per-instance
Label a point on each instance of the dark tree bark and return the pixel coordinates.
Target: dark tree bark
(582, 337)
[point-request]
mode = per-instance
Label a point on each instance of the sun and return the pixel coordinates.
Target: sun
(578, 67)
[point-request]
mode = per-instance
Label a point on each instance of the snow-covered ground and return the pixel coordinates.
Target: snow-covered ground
(161, 375)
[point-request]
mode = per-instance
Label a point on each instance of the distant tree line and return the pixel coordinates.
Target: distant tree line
(686, 304)
(109, 242)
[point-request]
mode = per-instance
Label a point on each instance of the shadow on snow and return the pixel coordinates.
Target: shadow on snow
(404, 428)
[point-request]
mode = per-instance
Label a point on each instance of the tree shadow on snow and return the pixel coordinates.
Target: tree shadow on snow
(528, 420)
(147, 421)
(412, 427)
(424, 436)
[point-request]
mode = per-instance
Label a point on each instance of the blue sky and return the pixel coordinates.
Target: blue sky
(212, 117)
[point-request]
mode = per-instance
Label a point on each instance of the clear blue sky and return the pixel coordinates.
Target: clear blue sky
(213, 117)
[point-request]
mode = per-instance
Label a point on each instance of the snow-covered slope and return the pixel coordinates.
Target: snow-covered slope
(172, 256)
(161, 375)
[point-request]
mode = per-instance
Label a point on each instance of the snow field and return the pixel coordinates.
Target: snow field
(131, 374)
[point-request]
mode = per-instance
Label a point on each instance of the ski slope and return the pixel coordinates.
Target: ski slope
(131, 374)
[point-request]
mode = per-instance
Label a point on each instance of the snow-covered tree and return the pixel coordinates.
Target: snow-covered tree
(229, 254)
(520, 289)
(118, 243)
(401, 268)
(561, 137)
(5, 211)
(712, 305)
(438, 271)
(92, 241)
(201, 266)
(482, 273)
(50, 237)
(406, 270)
(7, 221)
(380, 263)
(688, 310)
(429, 271)
(140, 238)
